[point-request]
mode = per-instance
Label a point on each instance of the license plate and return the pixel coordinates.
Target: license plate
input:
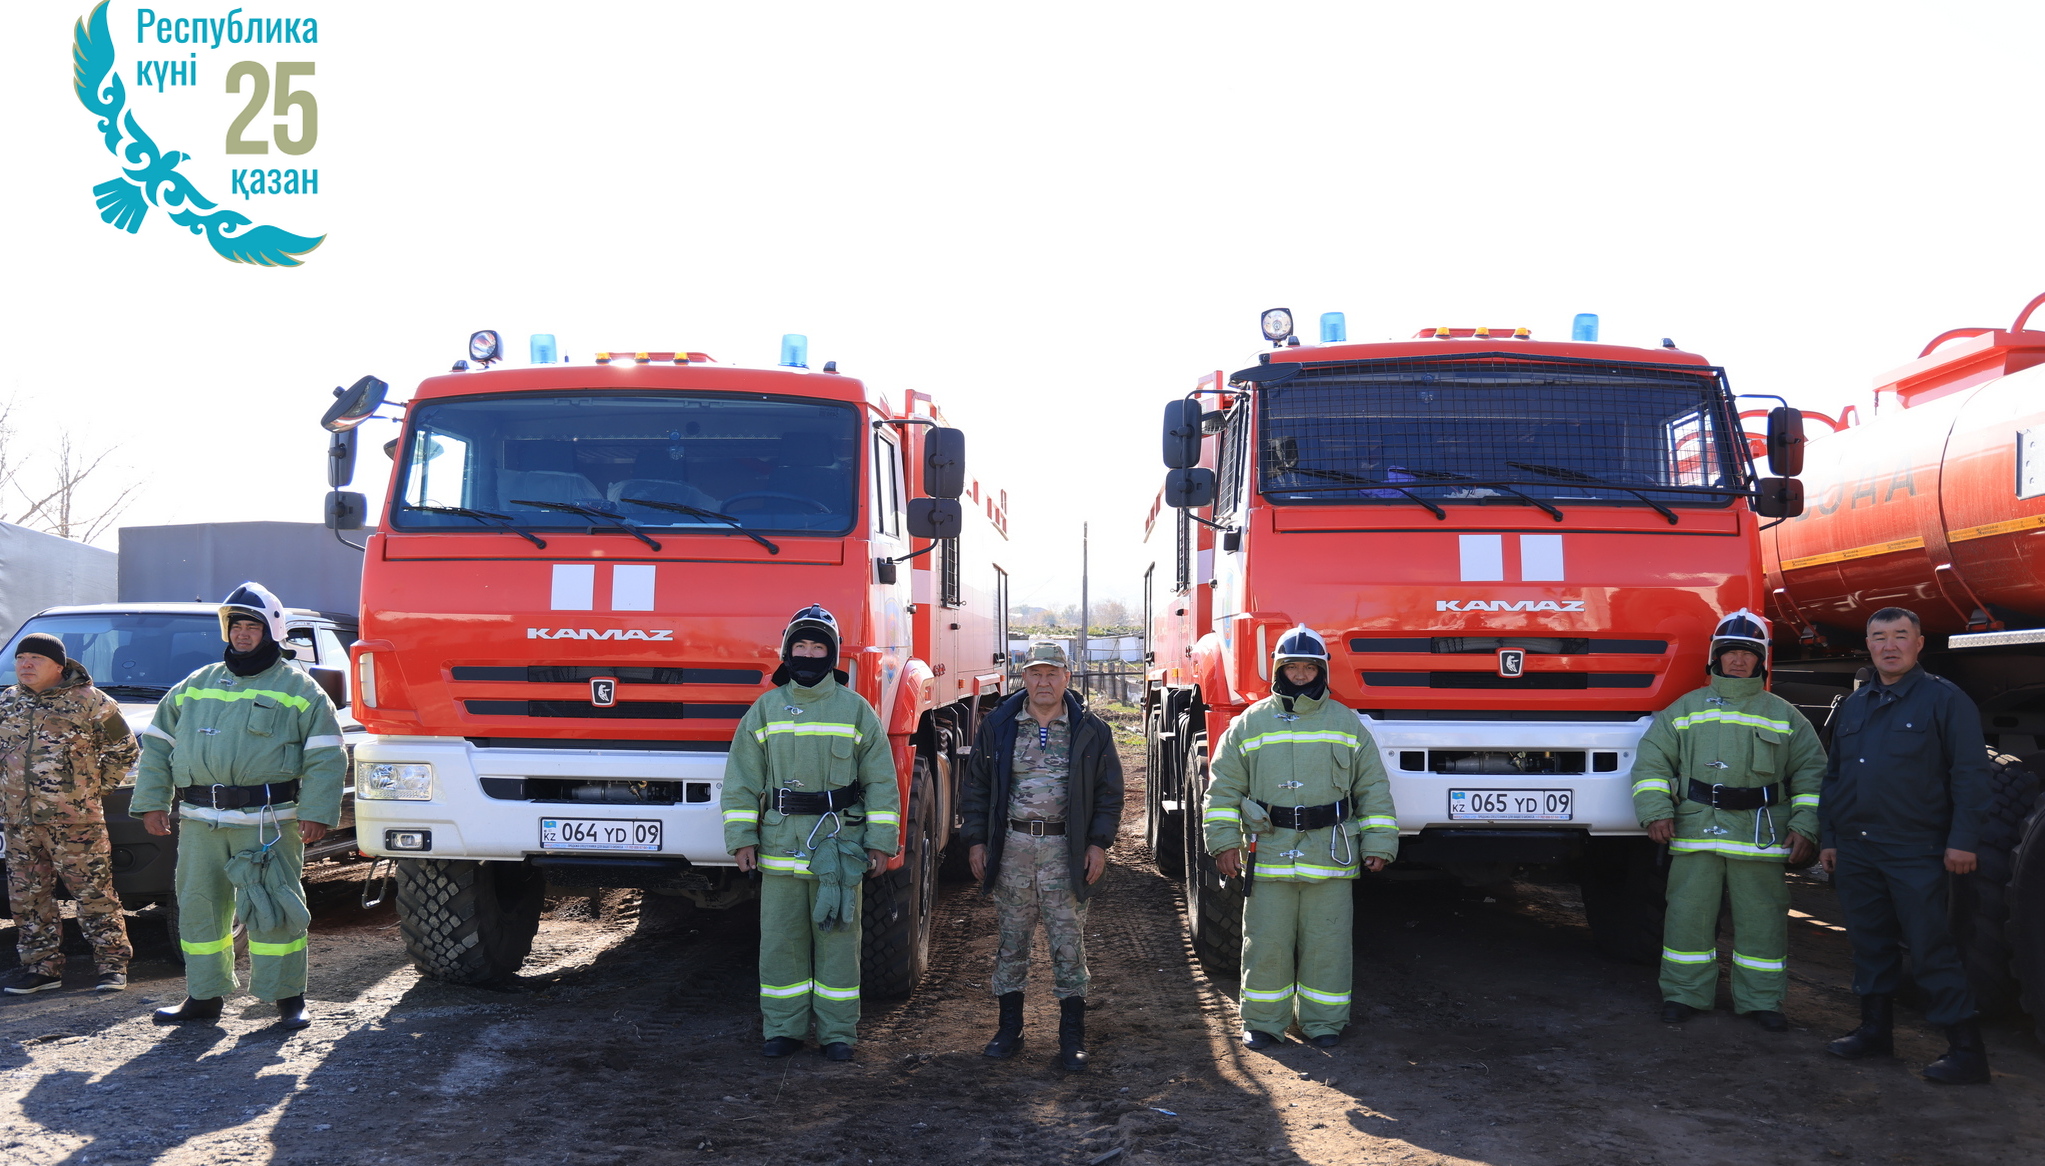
(1528, 805)
(599, 834)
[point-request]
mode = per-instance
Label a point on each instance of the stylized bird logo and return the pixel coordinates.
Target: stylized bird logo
(151, 176)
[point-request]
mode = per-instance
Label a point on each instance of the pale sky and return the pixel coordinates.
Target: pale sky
(1051, 216)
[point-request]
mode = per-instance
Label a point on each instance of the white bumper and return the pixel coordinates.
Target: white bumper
(469, 823)
(1601, 803)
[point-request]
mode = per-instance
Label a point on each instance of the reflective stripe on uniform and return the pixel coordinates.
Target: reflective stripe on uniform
(806, 729)
(829, 993)
(1726, 846)
(786, 991)
(1322, 997)
(1725, 716)
(1380, 822)
(731, 816)
(324, 741)
(153, 731)
(784, 862)
(1656, 784)
(1757, 964)
(232, 695)
(1804, 800)
(883, 818)
(1303, 871)
(1689, 957)
(214, 948)
(276, 949)
(1329, 736)
(1279, 996)
(1223, 814)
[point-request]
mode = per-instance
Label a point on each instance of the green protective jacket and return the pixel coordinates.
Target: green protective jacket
(1732, 733)
(810, 740)
(1317, 753)
(216, 728)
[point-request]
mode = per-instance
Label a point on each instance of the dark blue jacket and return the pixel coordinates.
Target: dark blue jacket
(1094, 808)
(1909, 768)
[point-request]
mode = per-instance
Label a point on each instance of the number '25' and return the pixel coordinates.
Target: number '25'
(309, 110)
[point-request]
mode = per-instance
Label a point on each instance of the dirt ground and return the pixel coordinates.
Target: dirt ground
(1488, 1031)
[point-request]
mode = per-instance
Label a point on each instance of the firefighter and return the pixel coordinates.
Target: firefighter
(63, 744)
(810, 801)
(1727, 778)
(1297, 804)
(1041, 805)
(250, 750)
(1906, 795)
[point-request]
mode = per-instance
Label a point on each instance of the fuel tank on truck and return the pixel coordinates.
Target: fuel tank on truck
(1935, 503)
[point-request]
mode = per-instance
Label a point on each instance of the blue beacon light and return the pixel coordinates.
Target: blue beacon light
(1334, 328)
(795, 350)
(543, 349)
(1585, 327)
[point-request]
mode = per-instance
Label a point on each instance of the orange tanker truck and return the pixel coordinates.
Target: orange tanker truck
(1934, 500)
(1515, 550)
(577, 586)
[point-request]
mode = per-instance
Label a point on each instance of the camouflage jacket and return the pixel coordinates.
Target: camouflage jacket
(60, 750)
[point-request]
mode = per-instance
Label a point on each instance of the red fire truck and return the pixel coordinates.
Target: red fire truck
(1934, 500)
(1515, 550)
(577, 586)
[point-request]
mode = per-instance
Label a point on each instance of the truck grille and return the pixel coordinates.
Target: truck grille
(1491, 680)
(1532, 645)
(638, 710)
(576, 674)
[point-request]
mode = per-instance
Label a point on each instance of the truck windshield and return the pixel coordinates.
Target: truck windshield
(131, 655)
(760, 463)
(1447, 433)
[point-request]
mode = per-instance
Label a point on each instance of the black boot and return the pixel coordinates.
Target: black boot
(1876, 1034)
(1072, 1033)
(1008, 1039)
(192, 1011)
(1965, 1062)
(291, 1013)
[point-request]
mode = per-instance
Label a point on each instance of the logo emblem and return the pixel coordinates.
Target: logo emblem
(1512, 662)
(603, 691)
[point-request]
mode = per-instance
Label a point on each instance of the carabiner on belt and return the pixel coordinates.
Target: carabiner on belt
(837, 824)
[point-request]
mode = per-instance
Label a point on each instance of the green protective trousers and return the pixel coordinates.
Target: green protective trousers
(1760, 897)
(206, 912)
(806, 974)
(1297, 957)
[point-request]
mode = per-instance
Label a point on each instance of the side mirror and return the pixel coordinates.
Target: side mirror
(353, 405)
(1182, 434)
(936, 518)
(346, 510)
(884, 572)
(334, 682)
(1778, 497)
(1785, 441)
(944, 463)
(341, 459)
(1187, 488)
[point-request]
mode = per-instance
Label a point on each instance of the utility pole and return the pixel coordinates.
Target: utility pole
(1085, 615)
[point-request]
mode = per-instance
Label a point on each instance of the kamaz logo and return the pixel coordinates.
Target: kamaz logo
(593, 634)
(1508, 605)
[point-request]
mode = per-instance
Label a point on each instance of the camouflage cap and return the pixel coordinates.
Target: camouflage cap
(1045, 652)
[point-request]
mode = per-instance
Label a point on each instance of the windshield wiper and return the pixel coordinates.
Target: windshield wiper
(611, 521)
(699, 512)
(483, 516)
(1346, 476)
(1563, 475)
(153, 691)
(1448, 476)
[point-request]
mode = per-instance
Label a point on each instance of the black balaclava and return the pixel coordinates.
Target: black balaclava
(1760, 669)
(1314, 689)
(256, 659)
(808, 671)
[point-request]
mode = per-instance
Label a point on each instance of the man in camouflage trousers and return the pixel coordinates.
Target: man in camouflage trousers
(1041, 805)
(62, 745)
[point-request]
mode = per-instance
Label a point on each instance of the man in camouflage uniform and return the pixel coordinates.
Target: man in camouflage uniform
(62, 745)
(1041, 805)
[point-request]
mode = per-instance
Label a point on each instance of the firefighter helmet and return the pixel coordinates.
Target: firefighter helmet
(811, 623)
(1741, 631)
(255, 601)
(1300, 643)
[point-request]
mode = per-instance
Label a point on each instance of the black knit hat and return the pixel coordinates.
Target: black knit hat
(43, 644)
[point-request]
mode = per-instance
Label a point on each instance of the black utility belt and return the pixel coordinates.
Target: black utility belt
(1036, 829)
(1308, 817)
(1735, 797)
(795, 801)
(234, 797)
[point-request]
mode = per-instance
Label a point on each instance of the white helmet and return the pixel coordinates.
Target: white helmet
(253, 599)
(1300, 643)
(1742, 631)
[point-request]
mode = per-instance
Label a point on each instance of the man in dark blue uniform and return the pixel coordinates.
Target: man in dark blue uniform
(1904, 799)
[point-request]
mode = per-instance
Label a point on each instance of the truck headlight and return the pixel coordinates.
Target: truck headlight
(387, 781)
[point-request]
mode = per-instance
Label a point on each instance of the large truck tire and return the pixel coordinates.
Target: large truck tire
(2025, 929)
(900, 905)
(469, 922)
(1979, 903)
(1625, 884)
(1214, 907)
(1164, 832)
